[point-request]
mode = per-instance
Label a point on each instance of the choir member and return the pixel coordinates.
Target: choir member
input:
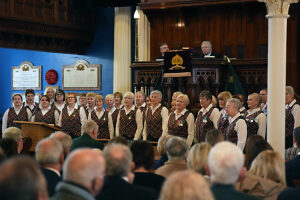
(174, 98)
(72, 116)
(118, 97)
(90, 99)
(292, 116)
(103, 119)
(255, 118)
(59, 100)
(50, 93)
(109, 100)
(156, 118)
(181, 121)
(46, 113)
(236, 131)
(242, 109)
(130, 119)
(82, 100)
(223, 120)
(208, 116)
(16, 113)
(29, 102)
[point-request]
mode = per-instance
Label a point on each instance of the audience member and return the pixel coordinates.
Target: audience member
(15, 134)
(64, 139)
(21, 179)
(213, 137)
(161, 149)
(143, 158)
(290, 194)
(177, 150)
(49, 155)
(186, 185)
(197, 157)
(254, 145)
(292, 167)
(118, 140)
(88, 138)
(83, 176)
(9, 147)
(118, 176)
(265, 178)
(225, 167)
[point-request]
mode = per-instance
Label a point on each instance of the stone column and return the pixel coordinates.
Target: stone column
(143, 37)
(122, 49)
(277, 30)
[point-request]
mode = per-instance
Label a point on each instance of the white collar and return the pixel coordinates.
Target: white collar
(292, 103)
(132, 108)
(231, 119)
(143, 105)
(206, 109)
(253, 110)
(155, 106)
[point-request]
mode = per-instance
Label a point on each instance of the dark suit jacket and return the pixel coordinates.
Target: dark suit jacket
(227, 192)
(116, 188)
(52, 179)
(86, 141)
(290, 194)
(292, 171)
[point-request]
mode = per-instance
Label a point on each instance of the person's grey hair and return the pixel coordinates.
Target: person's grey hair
(48, 151)
(83, 165)
(225, 162)
(109, 96)
(187, 185)
(207, 42)
(214, 136)
(290, 90)
(237, 103)
(12, 133)
(130, 94)
(118, 159)
(162, 44)
(156, 92)
(49, 88)
(89, 126)
(177, 148)
(185, 99)
(161, 145)
(142, 93)
(65, 140)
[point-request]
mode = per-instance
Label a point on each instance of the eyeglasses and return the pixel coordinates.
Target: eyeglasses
(70, 97)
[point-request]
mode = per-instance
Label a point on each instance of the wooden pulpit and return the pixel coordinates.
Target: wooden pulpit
(36, 131)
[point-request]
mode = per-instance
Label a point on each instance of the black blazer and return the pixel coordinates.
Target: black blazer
(52, 179)
(292, 171)
(116, 188)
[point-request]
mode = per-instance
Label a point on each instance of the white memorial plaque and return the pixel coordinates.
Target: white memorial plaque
(26, 76)
(81, 76)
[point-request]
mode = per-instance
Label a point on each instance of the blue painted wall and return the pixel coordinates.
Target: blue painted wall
(100, 52)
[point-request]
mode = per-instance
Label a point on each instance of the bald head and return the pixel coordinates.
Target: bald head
(85, 167)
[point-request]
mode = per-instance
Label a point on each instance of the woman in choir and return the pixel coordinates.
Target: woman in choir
(46, 113)
(109, 101)
(50, 93)
(173, 103)
(59, 100)
(82, 100)
(181, 121)
(240, 97)
(72, 116)
(16, 113)
(223, 120)
(103, 119)
(118, 97)
(148, 101)
(130, 119)
(156, 118)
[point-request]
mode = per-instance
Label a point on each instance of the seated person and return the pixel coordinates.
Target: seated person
(207, 51)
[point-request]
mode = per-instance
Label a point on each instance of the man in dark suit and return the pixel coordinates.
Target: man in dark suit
(88, 138)
(118, 182)
(225, 167)
(83, 175)
(292, 167)
(207, 52)
(49, 154)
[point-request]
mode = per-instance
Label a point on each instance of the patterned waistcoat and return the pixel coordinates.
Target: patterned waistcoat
(203, 125)
(223, 123)
(12, 116)
(128, 124)
(231, 134)
(114, 117)
(71, 124)
(252, 126)
(154, 122)
(36, 105)
(289, 120)
(143, 109)
(243, 112)
(48, 118)
(103, 131)
(178, 127)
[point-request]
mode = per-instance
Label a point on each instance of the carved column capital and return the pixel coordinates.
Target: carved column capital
(278, 7)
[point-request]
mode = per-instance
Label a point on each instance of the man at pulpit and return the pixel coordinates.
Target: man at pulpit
(207, 51)
(163, 48)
